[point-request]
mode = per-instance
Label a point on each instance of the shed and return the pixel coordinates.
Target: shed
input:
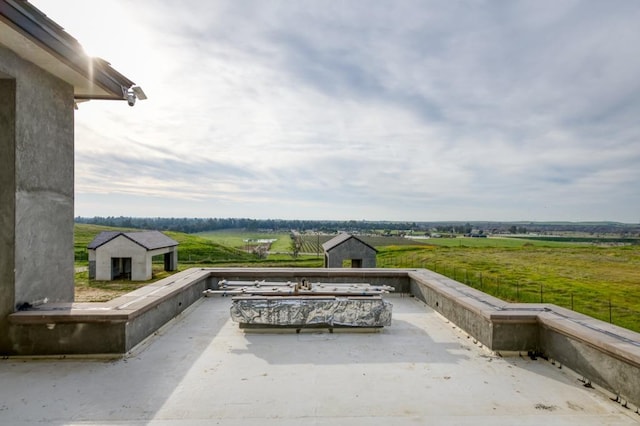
(128, 255)
(347, 247)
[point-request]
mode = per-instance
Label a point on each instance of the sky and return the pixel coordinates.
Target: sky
(362, 110)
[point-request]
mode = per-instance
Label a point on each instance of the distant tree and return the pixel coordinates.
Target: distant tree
(296, 244)
(261, 251)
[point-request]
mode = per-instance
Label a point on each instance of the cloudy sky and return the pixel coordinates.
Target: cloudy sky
(376, 110)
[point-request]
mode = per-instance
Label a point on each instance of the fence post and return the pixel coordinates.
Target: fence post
(610, 318)
(541, 294)
(572, 300)
(517, 291)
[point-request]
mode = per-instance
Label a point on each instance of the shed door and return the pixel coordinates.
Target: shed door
(120, 268)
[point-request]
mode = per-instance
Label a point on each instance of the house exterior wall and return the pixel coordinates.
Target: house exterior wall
(350, 249)
(36, 188)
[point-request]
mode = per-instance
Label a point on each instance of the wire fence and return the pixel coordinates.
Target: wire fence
(526, 291)
(512, 290)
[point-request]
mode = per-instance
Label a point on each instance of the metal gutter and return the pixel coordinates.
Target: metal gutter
(49, 36)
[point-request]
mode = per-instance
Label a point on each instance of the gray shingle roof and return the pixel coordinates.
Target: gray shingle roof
(341, 238)
(150, 240)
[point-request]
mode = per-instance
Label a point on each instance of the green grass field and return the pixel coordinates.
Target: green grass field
(493, 242)
(242, 240)
(601, 281)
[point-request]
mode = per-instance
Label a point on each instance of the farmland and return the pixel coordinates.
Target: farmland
(603, 282)
(599, 280)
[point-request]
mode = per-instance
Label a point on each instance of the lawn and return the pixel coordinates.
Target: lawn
(243, 240)
(601, 281)
(492, 242)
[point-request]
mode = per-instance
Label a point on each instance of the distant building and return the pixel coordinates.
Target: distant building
(128, 255)
(347, 247)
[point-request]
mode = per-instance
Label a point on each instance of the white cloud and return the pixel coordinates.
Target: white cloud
(407, 110)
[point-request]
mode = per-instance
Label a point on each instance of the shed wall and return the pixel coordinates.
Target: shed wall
(121, 247)
(350, 249)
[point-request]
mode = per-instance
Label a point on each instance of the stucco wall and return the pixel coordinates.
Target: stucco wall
(351, 249)
(36, 204)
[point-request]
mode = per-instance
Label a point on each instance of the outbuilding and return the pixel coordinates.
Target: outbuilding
(346, 247)
(129, 255)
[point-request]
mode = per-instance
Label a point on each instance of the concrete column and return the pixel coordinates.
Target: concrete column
(36, 189)
(171, 260)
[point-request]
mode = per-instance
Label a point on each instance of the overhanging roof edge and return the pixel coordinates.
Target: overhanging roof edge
(49, 36)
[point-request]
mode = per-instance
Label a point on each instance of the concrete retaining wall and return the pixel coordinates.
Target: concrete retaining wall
(497, 324)
(113, 327)
(604, 354)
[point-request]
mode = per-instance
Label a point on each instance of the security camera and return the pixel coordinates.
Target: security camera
(135, 92)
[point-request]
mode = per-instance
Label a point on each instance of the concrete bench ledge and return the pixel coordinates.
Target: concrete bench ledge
(112, 327)
(614, 341)
(123, 308)
(606, 354)
(563, 320)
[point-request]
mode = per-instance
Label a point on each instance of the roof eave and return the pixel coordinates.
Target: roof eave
(101, 81)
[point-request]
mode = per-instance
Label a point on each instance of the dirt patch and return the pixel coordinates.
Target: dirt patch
(88, 294)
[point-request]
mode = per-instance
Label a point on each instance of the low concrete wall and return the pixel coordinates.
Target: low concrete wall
(113, 327)
(497, 324)
(396, 278)
(604, 354)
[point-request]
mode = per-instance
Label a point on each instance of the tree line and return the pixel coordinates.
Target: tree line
(194, 225)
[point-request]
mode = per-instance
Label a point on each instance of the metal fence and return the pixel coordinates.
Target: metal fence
(525, 291)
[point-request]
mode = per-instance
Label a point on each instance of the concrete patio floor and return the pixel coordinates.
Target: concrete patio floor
(202, 369)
